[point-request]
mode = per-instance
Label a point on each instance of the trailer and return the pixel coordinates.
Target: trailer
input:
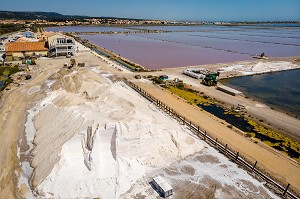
(198, 73)
(162, 186)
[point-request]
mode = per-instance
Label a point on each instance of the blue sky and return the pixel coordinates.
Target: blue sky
(207, 10)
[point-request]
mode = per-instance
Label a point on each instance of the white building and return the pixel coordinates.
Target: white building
(61, 45)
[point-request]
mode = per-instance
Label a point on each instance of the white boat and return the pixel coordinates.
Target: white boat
(260, 57)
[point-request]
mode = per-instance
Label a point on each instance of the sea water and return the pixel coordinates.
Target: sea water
(280, 90)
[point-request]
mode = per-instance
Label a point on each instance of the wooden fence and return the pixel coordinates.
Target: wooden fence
(283, 191)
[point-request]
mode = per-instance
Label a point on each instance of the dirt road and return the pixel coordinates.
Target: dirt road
(13, 108)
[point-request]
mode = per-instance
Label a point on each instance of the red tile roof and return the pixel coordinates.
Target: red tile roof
(25, 46)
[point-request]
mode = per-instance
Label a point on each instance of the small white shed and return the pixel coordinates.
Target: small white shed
(162, 186)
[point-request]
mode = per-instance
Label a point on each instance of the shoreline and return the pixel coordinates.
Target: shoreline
(248, 95)
(217, 66)
(255, 107)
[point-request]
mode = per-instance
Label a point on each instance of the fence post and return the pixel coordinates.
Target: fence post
(237, 155)
(198, 129)
(287, 187)
(204, 135)
(254, 166)
(216, 142)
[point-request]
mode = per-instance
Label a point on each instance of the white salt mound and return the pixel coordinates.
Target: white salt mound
(130, 137)
(261, 67)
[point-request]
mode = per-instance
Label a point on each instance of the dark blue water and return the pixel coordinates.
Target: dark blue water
(238, 122)
(279, 90)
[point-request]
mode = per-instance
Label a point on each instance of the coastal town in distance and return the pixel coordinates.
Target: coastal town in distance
(148, 102)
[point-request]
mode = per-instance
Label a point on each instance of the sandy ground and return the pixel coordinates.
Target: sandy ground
(13, 106)
(15, 102)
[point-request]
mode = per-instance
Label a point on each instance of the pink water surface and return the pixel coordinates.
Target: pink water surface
(195, 45)
(156, 54)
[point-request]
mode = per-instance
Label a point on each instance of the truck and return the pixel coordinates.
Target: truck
(211, 79)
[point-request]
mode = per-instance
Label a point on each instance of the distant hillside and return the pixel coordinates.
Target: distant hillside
(37, 15)
(47, 16)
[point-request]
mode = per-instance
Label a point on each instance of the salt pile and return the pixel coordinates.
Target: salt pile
(93, 138)
(127, 137)
(261, 67)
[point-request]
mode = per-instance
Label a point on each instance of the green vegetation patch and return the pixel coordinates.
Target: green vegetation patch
(8, 70)
(189, 96)
(7, 28)
(5, 73)
(276, 140)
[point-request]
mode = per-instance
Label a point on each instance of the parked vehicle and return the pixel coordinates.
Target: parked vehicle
(211, 79)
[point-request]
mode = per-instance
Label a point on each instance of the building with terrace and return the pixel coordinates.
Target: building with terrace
(61, 45)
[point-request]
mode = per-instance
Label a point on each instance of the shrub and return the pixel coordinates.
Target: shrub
(180, 86)
(230, 126)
